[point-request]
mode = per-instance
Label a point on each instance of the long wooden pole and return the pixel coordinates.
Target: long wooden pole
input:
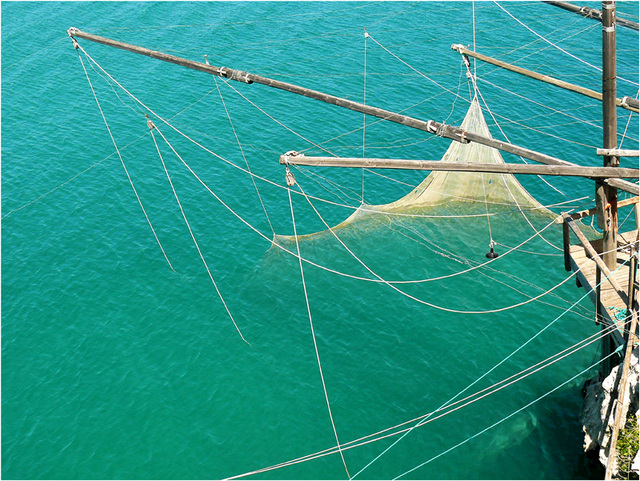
(629, 104)
(436, 165)
(430, 126)
(606, 195)
(591, 13)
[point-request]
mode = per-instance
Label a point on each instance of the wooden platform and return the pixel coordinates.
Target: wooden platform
(612, 300)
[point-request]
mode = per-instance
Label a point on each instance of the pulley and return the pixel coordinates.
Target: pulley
(291, 180)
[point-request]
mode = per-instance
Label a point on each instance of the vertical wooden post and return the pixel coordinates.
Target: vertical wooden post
(566, 245)
(606, 343)
(606, 196)
(598, 295)
(633, 273)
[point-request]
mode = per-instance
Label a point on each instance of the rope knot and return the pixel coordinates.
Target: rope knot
(150, 124)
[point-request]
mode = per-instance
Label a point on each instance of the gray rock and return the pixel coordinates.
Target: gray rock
(598, 409)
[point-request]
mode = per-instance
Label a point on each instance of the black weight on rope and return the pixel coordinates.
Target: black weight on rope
(491, 254)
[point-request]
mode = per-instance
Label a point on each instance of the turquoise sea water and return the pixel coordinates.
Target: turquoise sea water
(116, 366)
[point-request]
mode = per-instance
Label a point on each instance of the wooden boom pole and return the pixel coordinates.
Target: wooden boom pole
(590, 13)
(430, 126)
(626, 102)
(293, 158)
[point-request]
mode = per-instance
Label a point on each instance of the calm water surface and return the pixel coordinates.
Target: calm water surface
(116, 366)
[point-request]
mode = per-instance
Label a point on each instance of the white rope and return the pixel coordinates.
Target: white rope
(473, 14)
(377, 121)
(271, 241)
(503, 177)
(440, 250)
(476, 92)
(506, 417)
(226, 82)
(313, 334)
(416, 70)
(243, 156)
(364, 101)
(564, 27)
(166, 122)
(592, 124)
(123, 164)
(448, 403)
(558, 47)
(346, 194)
(100, 161)
(624, 134)
(491, 243)
(184, 216)
(34, 53)
(455, 99)
(374, 437)
(63, 184)
(431, 279)
(218, 156)
(421, 301)
(226, 206)
(475, 86)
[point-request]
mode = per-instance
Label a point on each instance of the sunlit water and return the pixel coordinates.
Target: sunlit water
(116, 366)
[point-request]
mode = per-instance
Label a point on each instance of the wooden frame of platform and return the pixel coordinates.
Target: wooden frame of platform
(612, 292)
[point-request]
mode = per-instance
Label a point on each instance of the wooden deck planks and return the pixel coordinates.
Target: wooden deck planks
(611, 299)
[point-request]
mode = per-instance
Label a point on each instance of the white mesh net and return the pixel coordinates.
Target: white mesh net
(456, 192)
(440, 187)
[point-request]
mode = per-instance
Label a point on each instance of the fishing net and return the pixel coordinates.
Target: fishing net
(443, 187)
(458, 192)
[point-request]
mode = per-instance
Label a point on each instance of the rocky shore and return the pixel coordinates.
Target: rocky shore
(598, 411)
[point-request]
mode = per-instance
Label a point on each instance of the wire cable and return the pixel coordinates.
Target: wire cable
(135, 191)
(558, 47)
(315, 343)
(186, 221)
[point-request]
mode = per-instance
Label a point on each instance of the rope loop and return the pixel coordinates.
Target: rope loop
(71, 32)
(287, 155)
